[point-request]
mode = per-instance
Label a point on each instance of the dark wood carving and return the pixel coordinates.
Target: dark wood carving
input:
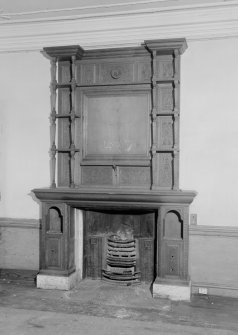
(114, 107)
(114, 142)
(57, 239)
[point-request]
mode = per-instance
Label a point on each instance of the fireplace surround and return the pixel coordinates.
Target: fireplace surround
(115, 156)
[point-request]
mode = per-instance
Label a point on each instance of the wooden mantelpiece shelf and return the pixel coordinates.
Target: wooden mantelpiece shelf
(114, 149)
(90, 197)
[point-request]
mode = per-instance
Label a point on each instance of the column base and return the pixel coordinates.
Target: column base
(178, 291)
(49, 282)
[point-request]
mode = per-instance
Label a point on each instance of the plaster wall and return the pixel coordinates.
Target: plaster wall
(208, 161)
(24, 132)
(208, 138)
(19, 244)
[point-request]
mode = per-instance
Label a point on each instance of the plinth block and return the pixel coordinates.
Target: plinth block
(64, 283)
(176, 292)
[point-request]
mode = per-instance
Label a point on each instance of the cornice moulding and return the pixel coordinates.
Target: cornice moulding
(115, 9)
(127, 29)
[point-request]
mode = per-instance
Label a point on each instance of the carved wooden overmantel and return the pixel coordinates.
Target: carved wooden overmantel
(114, 132)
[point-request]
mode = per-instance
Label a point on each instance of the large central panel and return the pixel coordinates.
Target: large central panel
(116, 133)
(116, 124)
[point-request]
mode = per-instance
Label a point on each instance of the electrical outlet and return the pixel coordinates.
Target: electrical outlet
(193, 219)
(202, 290)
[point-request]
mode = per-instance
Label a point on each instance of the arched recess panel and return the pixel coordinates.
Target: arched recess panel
(55, 221)
(173, 226)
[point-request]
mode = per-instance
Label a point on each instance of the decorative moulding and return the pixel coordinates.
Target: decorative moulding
(107, 28)
(216, 231)
(19, 223)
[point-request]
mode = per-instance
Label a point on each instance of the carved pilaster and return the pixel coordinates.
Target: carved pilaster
(165, 99)
(53, 122)
(67, 83)
(153, 119)
(72, 121)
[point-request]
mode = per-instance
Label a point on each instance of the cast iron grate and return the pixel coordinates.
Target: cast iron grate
(121, 261)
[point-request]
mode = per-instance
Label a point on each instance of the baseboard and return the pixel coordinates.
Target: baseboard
(219, 289)
(18, 276)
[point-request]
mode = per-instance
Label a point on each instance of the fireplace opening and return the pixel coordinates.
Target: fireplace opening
(119, 247)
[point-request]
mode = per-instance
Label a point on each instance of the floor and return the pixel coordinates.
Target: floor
(96, 307)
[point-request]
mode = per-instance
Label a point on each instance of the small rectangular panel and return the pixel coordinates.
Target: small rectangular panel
(165, 173)
(64, 101)
(144, 71)
(63, 169)
(135, 176)
(63, 133)
(115, 73)
(164, 67)
(172, 260)
(146, 258)
(165, 132)
(63, 158)
(86, 73)
(94, 257)
(64, 72)
(116, 124)
(97, 175)
(165, 98)
(53, 252)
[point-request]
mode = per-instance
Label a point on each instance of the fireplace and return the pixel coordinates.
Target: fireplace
(119, 246)
(114, 154)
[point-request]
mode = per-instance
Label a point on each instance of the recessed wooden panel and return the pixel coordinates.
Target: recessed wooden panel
(146, 258)
(114, 73)
(165, 98)
(53, 252)
(144, 71)
(63, 100)
(86, 74)
(172, 260)
(118, 72)
(135, 176)
(164, 66)
(63, 169)
(55, 221)
(97, 175)
(165, 170)
(165, 132)
(64, 73)
(173, 226)
(116, 124)
(94, 257)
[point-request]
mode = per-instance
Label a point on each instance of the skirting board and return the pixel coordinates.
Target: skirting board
(216, 289)
(18, 276)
